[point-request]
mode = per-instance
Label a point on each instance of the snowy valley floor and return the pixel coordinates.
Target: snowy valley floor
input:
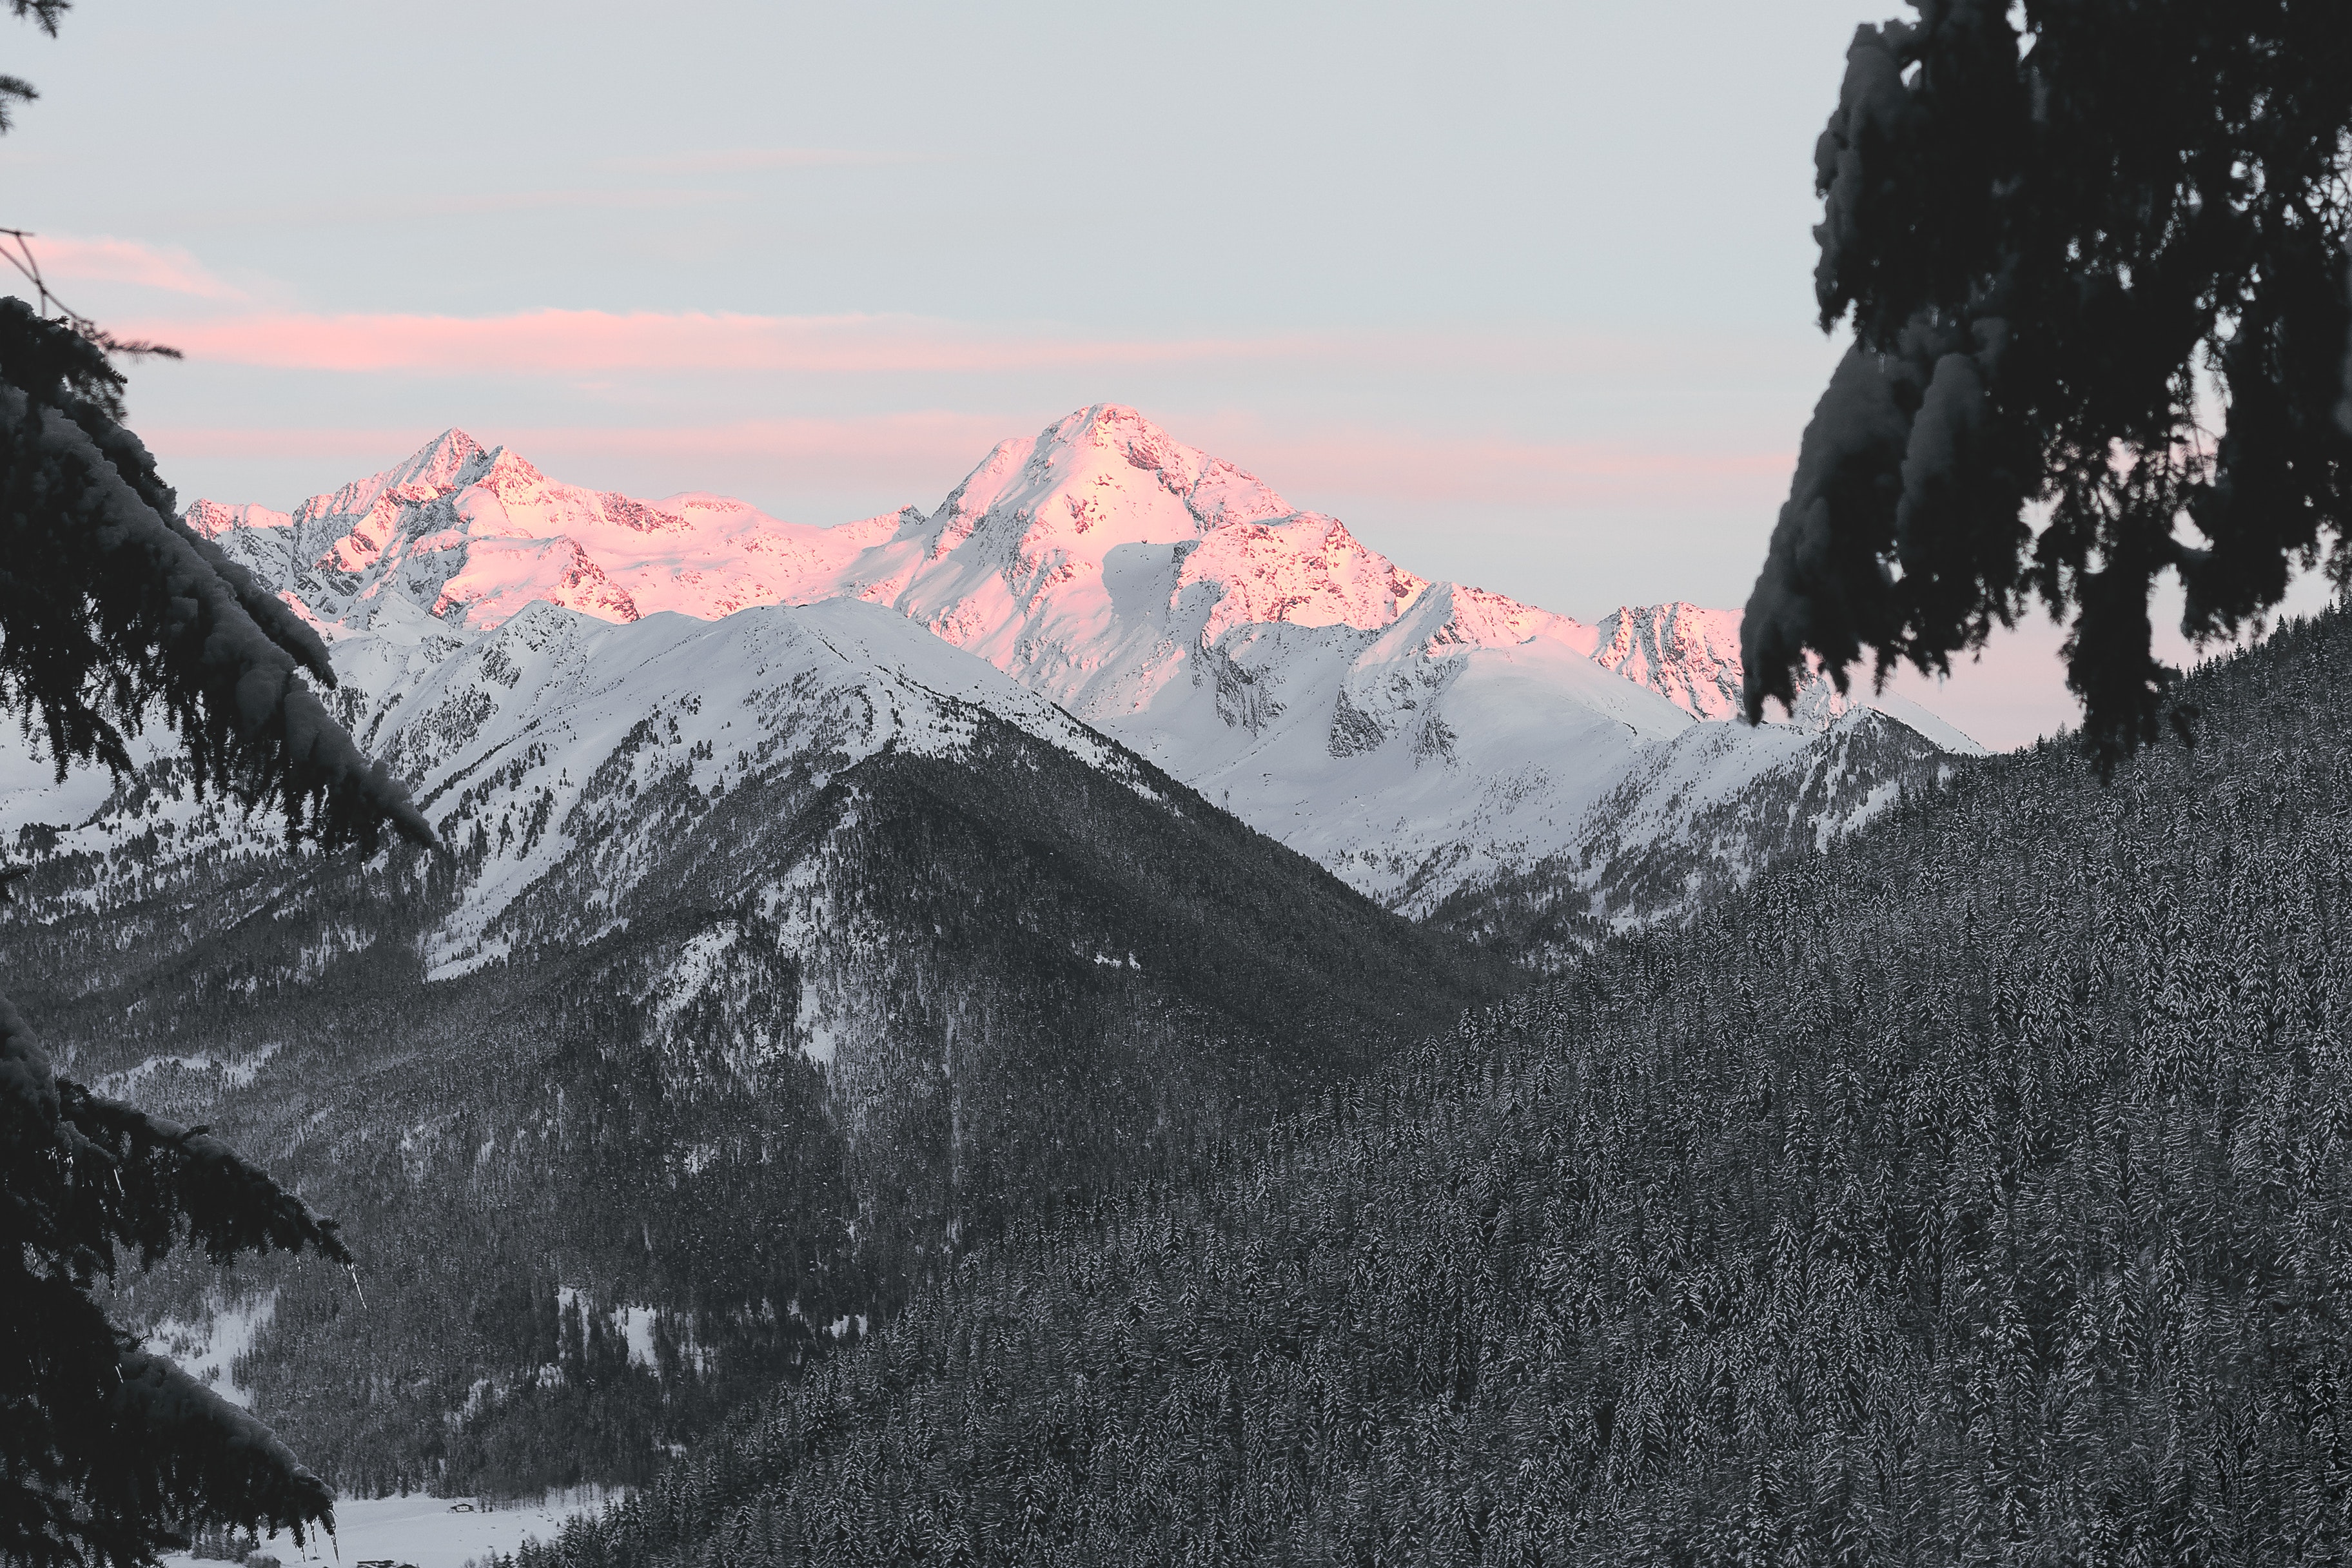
(423, 1531)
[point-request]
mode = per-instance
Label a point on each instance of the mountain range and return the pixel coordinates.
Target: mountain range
(1424, 741)
(819, 901)
(771, 962)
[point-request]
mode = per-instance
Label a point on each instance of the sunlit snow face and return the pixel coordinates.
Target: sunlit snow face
(1412, 735)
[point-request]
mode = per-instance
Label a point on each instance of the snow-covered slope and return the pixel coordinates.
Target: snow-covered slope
(531, 739)
(556, 721)
(1415, 737)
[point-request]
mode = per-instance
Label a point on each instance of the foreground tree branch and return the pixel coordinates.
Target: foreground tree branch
(2072, 250)
(113, 612)
(103, 1444)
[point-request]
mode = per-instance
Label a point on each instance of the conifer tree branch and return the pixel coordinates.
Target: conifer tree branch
(17, 249)
(14, 89)
(111, 605)
(2060, 231)
(103, 1440)
(44, 13)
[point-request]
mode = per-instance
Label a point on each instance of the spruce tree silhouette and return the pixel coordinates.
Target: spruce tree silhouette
(2074, 251)
(113, 613)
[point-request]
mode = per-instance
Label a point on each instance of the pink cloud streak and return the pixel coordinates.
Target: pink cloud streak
(70, 259)
(580, 342)
(558, 343)
(1438, 469)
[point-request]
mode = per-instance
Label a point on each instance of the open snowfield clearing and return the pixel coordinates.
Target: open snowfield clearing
(424, 1531)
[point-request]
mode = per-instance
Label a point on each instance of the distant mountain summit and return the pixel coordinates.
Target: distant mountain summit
(1691, 654)
(1419, 738)
(471, 534)
(1015, 564)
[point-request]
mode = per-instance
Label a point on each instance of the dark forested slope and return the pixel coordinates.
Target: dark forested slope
(674, 1142)
(1980, 1191)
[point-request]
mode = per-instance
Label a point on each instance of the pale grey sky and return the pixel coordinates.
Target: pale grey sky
(1520, 292)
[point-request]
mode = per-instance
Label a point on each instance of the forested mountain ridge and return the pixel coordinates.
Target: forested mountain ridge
(1981, 1190)
(771, 962)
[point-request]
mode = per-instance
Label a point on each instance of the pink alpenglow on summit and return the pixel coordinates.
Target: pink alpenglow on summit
(473, 535)
(1690, 653)
(1416, 737)
(1016, 557)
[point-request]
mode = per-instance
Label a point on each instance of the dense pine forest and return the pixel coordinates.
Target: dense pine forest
(1979, 1191)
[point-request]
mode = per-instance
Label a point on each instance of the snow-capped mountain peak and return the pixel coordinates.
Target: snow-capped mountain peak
(1095, 445)
(1465, 617)
(1306, 569)
(1412, 734)
(1102, 529)
(1690, 654)
(1106, 471)
(472, 533)
(449, 460)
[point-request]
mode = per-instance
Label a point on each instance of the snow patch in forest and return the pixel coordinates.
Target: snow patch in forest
(696, 962)
(332, 942)
(820, 1042)
(207, 1351)
(465, 963)
(234, 1072)
(636, 1325)
(631, 1324)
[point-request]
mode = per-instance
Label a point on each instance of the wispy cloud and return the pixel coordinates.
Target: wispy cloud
(575, 343)
(594, 199)
(70, 259)
(372, 209)
(366, 448)
(747, 160)
(591, 343)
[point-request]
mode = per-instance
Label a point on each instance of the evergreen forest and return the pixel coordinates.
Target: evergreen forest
(1979, 1191)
